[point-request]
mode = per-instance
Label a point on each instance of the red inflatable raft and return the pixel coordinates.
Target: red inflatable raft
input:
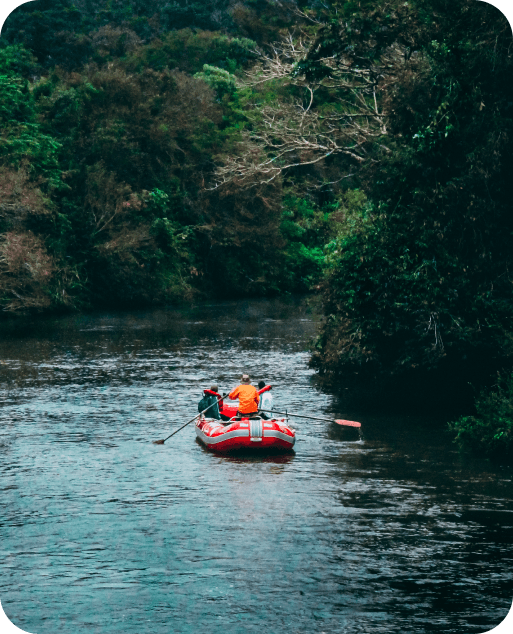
(247, 433)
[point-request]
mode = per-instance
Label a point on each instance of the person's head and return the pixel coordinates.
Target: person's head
(261, 384)
(245, 379)
(214, 388)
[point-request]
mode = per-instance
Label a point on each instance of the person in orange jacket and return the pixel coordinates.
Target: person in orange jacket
(248, 398)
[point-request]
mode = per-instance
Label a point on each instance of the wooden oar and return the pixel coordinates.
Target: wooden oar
(161, 442)
(348, 423)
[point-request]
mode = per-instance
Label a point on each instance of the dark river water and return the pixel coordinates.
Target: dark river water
(103, 531)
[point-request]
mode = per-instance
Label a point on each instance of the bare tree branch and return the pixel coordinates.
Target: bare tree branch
(288, 133)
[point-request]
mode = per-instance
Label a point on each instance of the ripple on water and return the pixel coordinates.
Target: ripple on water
(102, 531)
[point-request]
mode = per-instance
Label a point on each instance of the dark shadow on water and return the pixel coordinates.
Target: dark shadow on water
(341, 432)
(256, 456)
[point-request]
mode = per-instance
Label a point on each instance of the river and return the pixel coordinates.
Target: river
(102, 531)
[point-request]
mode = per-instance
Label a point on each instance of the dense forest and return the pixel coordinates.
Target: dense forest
(359, 151)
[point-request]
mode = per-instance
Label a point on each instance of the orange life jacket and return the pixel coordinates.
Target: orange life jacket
(248, 398)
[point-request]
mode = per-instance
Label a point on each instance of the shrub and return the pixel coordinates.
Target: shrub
(490, 430)
(25, 272)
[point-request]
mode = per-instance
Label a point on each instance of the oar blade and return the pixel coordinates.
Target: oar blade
(158, 442)
(348, 423)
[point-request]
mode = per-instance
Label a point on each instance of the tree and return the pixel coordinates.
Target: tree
(424, 283)
(330, 82)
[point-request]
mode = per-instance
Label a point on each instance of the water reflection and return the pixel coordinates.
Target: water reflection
(102, 531)
(242, 457)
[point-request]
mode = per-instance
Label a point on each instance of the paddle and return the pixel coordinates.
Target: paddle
(161, 442)
(348, 423)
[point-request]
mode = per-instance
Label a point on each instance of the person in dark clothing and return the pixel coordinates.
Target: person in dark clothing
(210, 399)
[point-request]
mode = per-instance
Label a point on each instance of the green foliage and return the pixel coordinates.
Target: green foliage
(221, 81)
(53, 30)
(136, 219)
(202, 14)
(16, 61)
(424, 282)
(490, 430)
(109, 155)
(240, 241)
(71, 33)
(308, 227)
(21, 138)
(231, 100)
(189, 51)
